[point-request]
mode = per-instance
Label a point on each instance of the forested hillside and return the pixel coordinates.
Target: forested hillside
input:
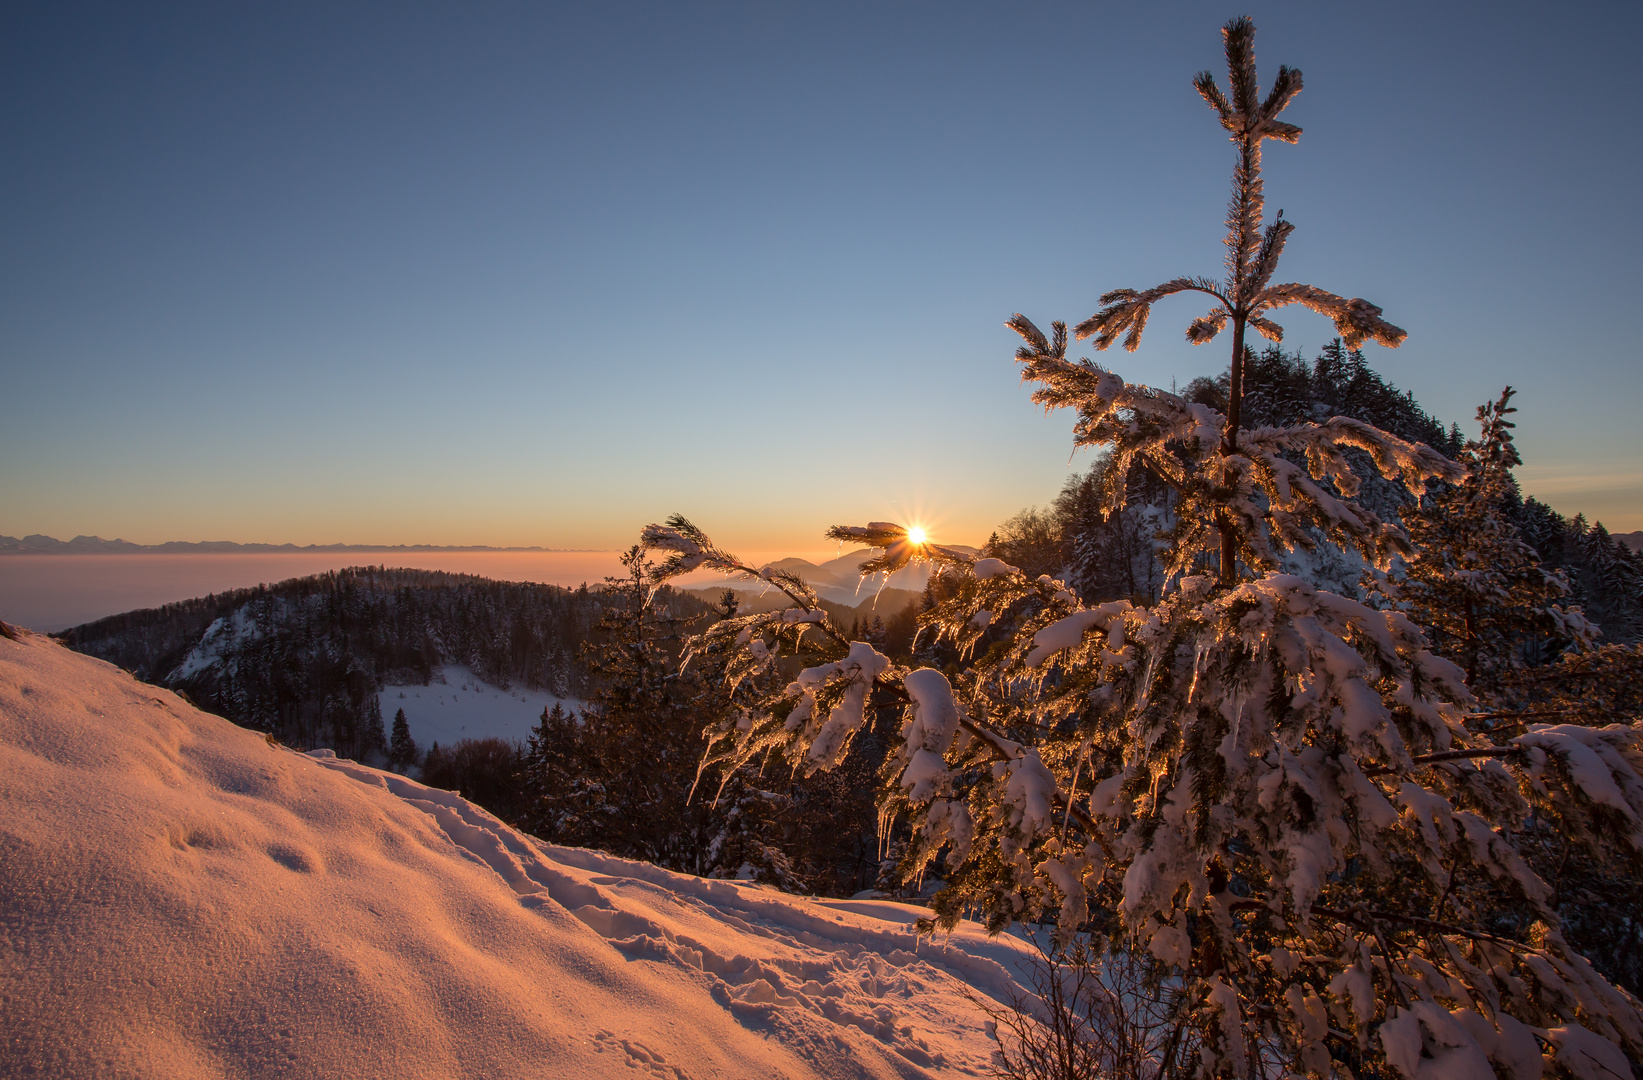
(304, 659)
(1118, 556)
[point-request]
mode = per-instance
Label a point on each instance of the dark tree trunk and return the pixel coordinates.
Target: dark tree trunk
(1229, 445)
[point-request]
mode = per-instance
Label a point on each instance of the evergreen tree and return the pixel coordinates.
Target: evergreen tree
(623, 776)
(487, 772)
(1269, 790)
(551, 774)
(373, 738)
(1610, 579)
(1481, 592)
(1247, 294)
(1112, 552)
(402, 748)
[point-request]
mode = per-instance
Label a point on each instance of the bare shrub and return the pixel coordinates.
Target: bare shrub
(1116, 1016)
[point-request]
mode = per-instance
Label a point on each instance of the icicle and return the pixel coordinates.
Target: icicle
(885, 816)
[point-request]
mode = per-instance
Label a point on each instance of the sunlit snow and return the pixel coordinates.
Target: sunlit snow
(183, 898)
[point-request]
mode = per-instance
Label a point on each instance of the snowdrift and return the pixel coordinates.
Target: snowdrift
(180, 898)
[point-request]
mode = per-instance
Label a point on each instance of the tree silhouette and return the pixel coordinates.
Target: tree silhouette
(401, 748)
(1252, 252)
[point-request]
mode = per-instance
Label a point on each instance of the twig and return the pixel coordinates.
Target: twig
(1519, 713)
(1359, 916)
(1447, 755)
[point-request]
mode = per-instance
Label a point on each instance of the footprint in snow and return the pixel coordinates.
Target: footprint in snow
(639, 1056)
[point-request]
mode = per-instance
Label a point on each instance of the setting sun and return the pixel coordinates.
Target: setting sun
(916, 535)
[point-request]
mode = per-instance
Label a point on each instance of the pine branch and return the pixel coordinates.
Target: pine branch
(1204, 83)
(1355, 320)
(1266, 261)
(1239, 35)
(1284, 89)
(1361, 917)
(693, 549)
(1447, 755)
(1125, 311)
(1520, 714)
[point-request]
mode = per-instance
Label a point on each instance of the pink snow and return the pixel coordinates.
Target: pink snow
(183, 898)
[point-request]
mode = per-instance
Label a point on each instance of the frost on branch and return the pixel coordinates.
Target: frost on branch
(1271, 790)
(826, 738)
(1258, 494)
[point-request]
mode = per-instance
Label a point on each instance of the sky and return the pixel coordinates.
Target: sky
(538, 274)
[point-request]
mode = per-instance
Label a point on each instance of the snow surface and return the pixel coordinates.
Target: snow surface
(456, 704)
(181, 898)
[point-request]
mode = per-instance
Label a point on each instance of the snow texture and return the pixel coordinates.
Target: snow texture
(932, 722)
(1597, 767)
(182, 898)
(857, 670)
(1067, 632)
(991, 568)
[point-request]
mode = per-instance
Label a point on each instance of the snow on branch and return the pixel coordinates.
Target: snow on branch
(1355, 320)
(1125, 311)
(1273, 504)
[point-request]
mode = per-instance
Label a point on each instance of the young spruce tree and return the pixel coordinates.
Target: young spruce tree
(401, 747)
(1271, 791)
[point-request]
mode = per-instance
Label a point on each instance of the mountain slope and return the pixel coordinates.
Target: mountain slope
(182, 898)
(307, 659)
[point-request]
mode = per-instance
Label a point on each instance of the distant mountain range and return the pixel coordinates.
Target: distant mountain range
(37, 544)
(1633, 540)
(839, 581)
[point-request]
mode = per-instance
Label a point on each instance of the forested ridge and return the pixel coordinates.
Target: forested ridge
(304, 659)
(1110, 556)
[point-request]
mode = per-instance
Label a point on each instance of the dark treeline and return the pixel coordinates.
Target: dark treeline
(1108, 556)
(1606, 575)
(305, 659)
(624, 774)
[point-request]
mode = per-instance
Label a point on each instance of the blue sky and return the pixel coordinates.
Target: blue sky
(533, 274)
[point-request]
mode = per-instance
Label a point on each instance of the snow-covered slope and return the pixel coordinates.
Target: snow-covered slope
(457, 705)
(180, 898)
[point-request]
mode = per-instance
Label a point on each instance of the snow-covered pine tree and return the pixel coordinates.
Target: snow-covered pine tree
(1612, 576)
(619, 776)
(1482, 594)
(1270, 789)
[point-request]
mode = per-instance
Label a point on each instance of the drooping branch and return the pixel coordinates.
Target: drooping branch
(1447, 755)
(1360, 917)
